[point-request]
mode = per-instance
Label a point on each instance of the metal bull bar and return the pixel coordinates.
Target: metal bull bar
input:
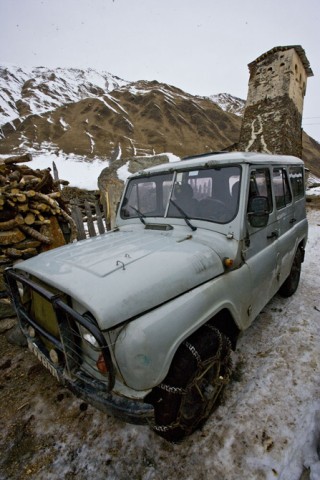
(63, 313)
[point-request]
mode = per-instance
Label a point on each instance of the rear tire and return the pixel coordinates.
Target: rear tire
(290, 285)
(200, 369)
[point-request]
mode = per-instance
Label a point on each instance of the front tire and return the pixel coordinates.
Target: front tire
(199, 371)
(290, 285)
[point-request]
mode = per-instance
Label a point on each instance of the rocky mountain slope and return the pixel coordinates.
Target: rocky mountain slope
(95, 114)
(26, 91)
(229, 103)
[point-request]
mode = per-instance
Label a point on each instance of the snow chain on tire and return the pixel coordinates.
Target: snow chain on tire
(195, 354)
(205, 365)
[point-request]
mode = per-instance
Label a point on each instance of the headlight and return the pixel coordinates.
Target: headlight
(89, 338)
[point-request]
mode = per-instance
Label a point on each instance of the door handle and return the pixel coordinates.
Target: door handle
(293, 220)
(273, 234)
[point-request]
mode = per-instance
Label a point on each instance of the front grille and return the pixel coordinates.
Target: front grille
(70, 343)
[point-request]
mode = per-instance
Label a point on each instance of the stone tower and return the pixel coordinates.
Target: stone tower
(273, 112)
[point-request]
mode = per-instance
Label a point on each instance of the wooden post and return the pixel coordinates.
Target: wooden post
(105, 205)
(90, 224)
(77, 217)
(112, 206)
(99, 218)
(56, 175)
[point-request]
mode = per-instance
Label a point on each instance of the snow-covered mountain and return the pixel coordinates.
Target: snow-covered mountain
(229, 103)
(98, 114)
(25, 91)
(95, 114)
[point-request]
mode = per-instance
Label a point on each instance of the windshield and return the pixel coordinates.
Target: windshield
(210, 194)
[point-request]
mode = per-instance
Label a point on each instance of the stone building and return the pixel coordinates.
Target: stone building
(273, 112)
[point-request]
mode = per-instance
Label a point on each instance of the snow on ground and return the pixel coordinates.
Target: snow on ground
(123, 172)
(314, 190)
(268, 426)
(75, 168)
(313, 185)
(79, 171)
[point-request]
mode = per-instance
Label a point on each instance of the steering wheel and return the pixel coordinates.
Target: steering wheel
(215, 209)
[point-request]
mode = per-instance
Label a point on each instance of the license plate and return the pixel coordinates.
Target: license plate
(43, 359)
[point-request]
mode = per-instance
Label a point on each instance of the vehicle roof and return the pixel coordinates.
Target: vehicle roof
(218, 159)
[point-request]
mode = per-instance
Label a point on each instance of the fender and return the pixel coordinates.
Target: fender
(145, 347)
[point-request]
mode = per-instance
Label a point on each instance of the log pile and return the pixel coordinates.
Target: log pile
(33, 216)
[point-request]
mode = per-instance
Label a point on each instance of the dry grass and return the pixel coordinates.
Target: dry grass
(313, 201)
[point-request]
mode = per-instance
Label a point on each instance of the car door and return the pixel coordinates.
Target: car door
(261, 248)
(286, 217)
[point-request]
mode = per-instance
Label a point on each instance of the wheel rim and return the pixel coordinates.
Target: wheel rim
(202, 392)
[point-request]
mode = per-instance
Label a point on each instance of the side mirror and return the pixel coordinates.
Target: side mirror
(258, 211)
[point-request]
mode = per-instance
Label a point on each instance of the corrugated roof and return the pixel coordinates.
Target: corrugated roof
(300, 51)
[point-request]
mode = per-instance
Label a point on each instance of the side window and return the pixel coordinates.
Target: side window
(297, 181)
(260, 185)
(281, 187)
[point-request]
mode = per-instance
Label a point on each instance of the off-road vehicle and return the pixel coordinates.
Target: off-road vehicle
(141, 321)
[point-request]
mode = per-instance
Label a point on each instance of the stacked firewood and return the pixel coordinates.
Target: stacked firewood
(33, 216)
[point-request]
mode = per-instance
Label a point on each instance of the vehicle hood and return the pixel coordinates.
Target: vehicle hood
(119, 275)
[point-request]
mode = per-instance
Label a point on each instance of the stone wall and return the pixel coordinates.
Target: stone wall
(272, 126)
(273, 112)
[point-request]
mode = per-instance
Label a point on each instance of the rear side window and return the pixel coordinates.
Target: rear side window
(296, 175)
(281, 187)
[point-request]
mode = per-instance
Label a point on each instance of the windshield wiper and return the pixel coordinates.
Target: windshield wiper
(140, 214)
(184, 215)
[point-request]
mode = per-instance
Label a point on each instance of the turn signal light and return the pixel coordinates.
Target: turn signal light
(101, 364)
(228, 262)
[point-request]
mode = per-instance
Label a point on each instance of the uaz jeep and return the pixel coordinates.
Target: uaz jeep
(141, 321)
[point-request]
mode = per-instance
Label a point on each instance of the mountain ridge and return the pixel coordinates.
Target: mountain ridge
(229, 103)
(53, 87)
(97, 114)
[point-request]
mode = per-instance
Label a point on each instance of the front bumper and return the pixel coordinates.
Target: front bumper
(59, 345)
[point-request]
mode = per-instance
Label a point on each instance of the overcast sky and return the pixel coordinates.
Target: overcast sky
(201, 46)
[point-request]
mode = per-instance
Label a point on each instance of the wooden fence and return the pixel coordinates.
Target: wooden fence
(90, 222)
(91, 219)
